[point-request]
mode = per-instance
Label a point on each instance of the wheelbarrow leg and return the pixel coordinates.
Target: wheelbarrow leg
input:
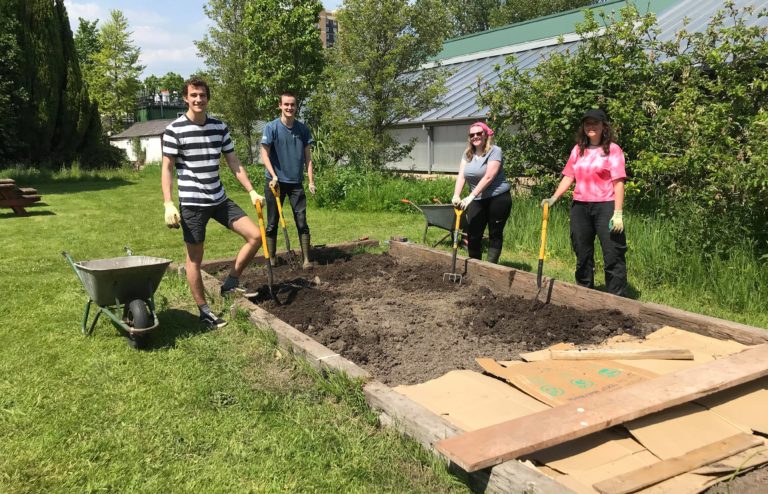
(85, 319)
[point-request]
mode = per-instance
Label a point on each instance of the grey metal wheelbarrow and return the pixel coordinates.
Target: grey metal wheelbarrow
(123, 289)
(441, 216)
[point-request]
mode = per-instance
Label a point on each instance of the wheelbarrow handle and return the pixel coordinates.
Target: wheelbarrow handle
(72, 263)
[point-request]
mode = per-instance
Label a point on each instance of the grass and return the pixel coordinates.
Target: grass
(204, 411)
(224, 411)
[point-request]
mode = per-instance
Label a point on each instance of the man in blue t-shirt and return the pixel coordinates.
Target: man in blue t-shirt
(285, 149)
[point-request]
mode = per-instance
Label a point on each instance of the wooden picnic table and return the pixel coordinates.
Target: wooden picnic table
(16, 198)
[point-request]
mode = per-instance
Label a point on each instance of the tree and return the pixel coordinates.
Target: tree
(255, 50)
(151, 85)
(225, 50)
(12, 93)
(372, 80)
(87, 42)
(172, 82)
(113, 78)
(510, 12)
(284, 50)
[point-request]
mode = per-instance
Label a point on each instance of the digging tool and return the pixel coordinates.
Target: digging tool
(544, 222)
(292, 255)
(263, 231)
(452, 276)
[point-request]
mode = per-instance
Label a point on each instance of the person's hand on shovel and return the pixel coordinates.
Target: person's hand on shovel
(273, 183)
(549, 201)
(464, 204)
(172, 218)
(256, 197)
(456, 200)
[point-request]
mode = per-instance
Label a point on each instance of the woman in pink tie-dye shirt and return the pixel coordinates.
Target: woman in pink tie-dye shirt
(596, 164)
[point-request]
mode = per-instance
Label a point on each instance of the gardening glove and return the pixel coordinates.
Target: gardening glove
(312, 188)
(549, 201)
(616, 225)
(256, 197)
(456, 200)
(273, 183)
(466, 201)
(172, 218)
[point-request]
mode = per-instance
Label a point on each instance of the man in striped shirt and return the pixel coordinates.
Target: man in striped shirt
(193, 144)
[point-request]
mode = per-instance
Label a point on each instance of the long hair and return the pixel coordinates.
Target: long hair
(607, 137)
(470, 151)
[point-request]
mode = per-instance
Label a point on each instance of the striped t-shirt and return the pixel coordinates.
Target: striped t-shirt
(197, 150)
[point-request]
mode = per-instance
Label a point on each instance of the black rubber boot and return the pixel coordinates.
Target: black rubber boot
(272, 248)
(493, 255)
(305, 250)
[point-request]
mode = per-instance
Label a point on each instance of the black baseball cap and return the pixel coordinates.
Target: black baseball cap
(595, 113)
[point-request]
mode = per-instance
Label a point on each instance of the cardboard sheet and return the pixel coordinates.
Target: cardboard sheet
(471, 400)
(744, 406)
(676, 431)
(555, 382)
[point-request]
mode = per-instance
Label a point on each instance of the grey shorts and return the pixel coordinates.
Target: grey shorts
(194, 219)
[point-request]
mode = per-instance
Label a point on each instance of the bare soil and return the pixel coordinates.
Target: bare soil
(405, 324)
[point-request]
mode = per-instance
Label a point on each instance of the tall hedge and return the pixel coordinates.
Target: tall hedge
(690, 113)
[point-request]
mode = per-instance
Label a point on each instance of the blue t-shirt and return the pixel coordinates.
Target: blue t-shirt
(286, 149)
(475, 169)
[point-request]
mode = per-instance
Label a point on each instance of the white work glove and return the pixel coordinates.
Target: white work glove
(172, 218)
(256, 197)
(273, 183)
(466, 201)
(312, 188)
(549, 200)
(456, 200)
(616, 225)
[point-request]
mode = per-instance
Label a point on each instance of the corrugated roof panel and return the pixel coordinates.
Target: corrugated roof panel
(459, 103)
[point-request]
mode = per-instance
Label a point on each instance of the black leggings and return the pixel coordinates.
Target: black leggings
(493, 213)
(590, 219)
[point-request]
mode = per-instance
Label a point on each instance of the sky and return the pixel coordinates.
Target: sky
(165, 31)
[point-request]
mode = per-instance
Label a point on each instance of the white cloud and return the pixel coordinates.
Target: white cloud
(88, 11)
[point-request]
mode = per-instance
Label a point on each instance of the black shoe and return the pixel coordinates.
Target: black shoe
(235, 290)
(212, 321)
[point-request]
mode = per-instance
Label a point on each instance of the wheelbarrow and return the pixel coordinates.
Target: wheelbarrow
(441, 216)
(123, 289)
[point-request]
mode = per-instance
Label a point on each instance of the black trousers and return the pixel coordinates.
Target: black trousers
(590, 219)
(493, 213)
(298, 200)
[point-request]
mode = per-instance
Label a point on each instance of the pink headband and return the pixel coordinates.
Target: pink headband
(485, 128)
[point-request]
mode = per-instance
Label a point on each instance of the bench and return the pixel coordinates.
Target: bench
(16, 198)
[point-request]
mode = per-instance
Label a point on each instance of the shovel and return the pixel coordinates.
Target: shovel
(452, 276)
(540, 273)
(263, 231)
(293, 256)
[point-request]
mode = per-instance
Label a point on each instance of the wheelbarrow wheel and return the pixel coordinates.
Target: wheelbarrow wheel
(138, 317)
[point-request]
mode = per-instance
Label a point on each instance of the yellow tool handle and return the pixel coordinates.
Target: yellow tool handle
(544, 231)
(276, 192)
(262, 230)
(456, 227)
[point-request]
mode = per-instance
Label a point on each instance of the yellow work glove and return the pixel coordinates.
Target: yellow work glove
(172, 218)
(312, 188)
(616, 225)
(256, 197)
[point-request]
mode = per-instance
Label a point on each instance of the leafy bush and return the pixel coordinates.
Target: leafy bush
(690, 114)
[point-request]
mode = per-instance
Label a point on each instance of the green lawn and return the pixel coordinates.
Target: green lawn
(204, 411)
(223, 411)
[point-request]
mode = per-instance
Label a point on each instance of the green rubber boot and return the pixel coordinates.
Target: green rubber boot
(272, 248)
(493, 255)
(305, 250)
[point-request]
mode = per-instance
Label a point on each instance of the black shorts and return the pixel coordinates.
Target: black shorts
(195, 218)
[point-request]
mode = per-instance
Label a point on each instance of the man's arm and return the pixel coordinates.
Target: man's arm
(266, 160)
(310, 168)
(166, 178)
(238, 170)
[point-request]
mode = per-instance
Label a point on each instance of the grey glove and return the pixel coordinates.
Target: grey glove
(550, 201)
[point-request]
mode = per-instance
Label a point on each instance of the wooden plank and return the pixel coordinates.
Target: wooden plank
(653, 474)
(28, 191)
(622, 354)
(18, 201)
(512, 439)
(412, 419)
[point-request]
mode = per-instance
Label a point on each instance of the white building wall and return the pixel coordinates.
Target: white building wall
(152, 145)
(448, 142)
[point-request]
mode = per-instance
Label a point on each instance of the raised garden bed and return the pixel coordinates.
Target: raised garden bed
(392, 319)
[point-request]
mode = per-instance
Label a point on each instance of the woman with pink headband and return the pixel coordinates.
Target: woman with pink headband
(489, 201)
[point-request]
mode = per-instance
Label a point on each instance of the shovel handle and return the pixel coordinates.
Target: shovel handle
(544, 222)
(263, 230)
(276, 192)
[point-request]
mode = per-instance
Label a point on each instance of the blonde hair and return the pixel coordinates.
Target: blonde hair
(470, 151)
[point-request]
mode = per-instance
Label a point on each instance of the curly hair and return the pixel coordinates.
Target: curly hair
(606, 138)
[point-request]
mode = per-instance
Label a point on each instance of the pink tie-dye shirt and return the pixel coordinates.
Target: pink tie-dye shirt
(594, 173)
